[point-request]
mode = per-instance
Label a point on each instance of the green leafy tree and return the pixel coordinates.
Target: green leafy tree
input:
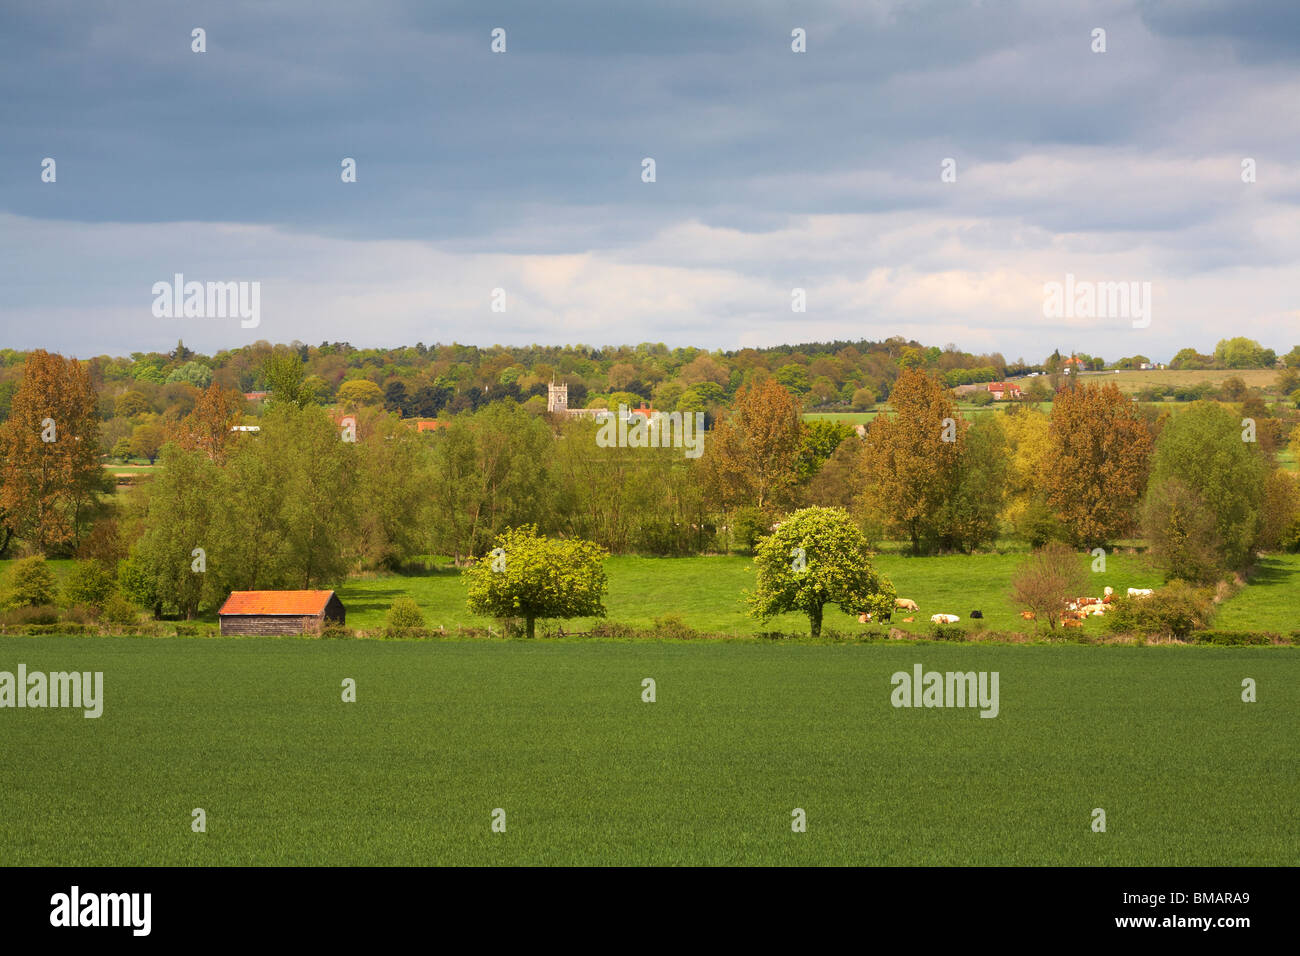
(286, 379)
(137, 582)
(1241, 352)
(30, 583)
(491, 471)
(394, 478)
(192, 373)
(89, 582)
(820, 439)
(532, 576)
(180, 502)
(146, 441)
(132, 403)
(359, 392)
(818, 556)
(969, 517)
(1180, 532)
(1203, 449)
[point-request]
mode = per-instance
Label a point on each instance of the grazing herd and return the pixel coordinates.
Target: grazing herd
(1075, 613)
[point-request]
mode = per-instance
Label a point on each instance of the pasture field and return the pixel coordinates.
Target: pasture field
(255, 733)
(864, 418)
(708, 594)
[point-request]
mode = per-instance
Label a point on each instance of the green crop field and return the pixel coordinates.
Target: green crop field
(555, 733)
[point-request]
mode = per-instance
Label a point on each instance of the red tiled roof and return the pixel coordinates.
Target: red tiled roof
(276, 602)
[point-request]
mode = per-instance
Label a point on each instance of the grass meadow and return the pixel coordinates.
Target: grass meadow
(707, 593)
(254, 731)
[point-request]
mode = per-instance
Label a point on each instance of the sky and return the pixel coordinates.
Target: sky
(775, 170)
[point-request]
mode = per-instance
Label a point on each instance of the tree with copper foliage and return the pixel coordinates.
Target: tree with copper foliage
(1096, 465)
(752, 457)
(207, 428)
(50, 476)
(911, 459)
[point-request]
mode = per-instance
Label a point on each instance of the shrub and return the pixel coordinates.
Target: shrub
(751, 524)
(672, 626)
(1047, 580)
(1237, 638)
(404, 618)
(1037, 524)
(81, 614)
(90, 582)
(1174, 610)
(334, 630)
(947, 632)
(118, 611)
(31, 583)
(33, 614)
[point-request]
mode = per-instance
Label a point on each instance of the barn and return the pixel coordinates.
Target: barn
(280, 612)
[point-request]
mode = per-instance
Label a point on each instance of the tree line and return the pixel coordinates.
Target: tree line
(297, 505)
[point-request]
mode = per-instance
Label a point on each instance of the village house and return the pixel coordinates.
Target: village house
(280, 612)
(1001, 390)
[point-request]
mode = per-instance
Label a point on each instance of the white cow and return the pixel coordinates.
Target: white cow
(1140, 592)
(944, 619)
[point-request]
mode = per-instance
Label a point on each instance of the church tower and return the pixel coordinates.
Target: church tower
(557, 398)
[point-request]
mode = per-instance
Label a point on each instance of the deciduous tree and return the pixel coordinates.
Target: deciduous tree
(50, 476)
(533, 576)
(911, 457)
(815, 558)
(1203, 449)
(1096, 465)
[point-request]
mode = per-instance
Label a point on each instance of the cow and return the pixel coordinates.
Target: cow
(906, 605)
(1140, 592)
(1028, 615)
(944, 619)
(1068, 623)
(908, 620)
(977, 615)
